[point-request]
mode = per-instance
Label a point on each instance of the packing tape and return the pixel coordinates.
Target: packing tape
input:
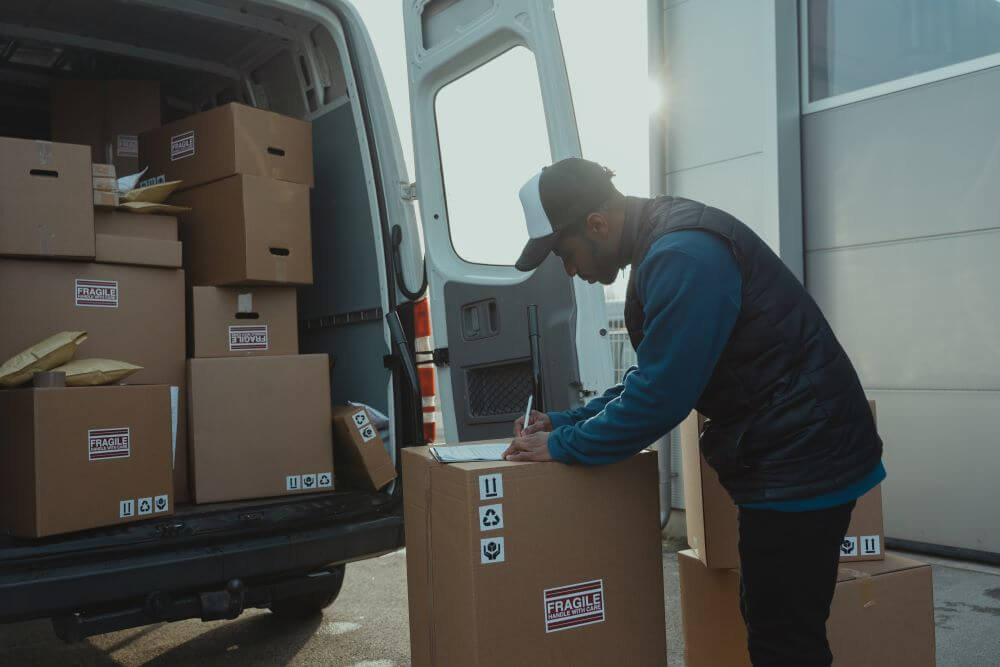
(867, 585)
(244, 303)
(44, 151)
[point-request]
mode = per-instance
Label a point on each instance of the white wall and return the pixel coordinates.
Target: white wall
(732, 112)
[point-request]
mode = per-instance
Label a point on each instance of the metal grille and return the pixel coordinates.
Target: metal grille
(499, 390)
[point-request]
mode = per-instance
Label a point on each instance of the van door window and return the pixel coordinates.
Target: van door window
(492, 138)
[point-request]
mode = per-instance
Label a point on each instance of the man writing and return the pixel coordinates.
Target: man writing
(720, 324)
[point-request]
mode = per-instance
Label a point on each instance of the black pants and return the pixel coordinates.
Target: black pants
(788, 572)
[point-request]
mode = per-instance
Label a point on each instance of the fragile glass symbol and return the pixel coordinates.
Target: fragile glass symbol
(161, 503)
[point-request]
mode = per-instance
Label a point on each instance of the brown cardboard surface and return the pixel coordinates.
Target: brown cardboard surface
(57, 474)
(361, 456)
(243, 321)
(105, 183)
(45, 200)
(122, 223)
(112, 249)
(108, 116)
(146, 328)
(562, 526)
(713, 519)
(105, 200)
(228, 140)
(247, 230)
(260, 427)
(882, 614)
(104, 170)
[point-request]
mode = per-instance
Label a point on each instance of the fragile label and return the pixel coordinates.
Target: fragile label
(309, 481)
(574, 606)
(490, 486)
(849, 547)
(491, 517)
(368, 433)
(870, 545)
(108, 443)
(97, 293)
(145, 505)
(127, 145)
(248, 337)
(161, 503)
(182, 145)
(491, 550)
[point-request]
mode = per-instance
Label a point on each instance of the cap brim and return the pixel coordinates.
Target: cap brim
(535, 252)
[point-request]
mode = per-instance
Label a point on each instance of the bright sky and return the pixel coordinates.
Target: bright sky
(606, 60)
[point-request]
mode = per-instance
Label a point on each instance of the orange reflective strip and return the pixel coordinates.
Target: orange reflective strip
(422, 318)
(428, 385)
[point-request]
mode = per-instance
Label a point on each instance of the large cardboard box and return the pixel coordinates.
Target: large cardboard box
(83, 457)
(882, 614)
(533, 564)
(143, 240)
(243, 322)
(362, 459)
(108, 116)
(712, 517)
(260, 427)
(247, 230)
(46, 200)
(228, 140)
(130, 313)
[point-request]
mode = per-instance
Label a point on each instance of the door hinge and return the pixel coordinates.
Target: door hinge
(440, 356)
(408, 191)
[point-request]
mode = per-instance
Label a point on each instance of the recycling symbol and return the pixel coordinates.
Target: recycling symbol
(324, 480)
(144, 507)
(161, 504)
(491, 518)
(491, 550)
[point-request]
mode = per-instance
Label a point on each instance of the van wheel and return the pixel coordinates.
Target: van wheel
(312, 603)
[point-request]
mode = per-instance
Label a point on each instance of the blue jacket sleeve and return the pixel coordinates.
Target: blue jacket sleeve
(593, 407)
(689, 284)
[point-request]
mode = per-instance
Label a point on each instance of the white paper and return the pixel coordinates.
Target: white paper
(461, 453)
(174, 399)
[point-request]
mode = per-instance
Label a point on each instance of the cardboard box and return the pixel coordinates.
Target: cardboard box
(105, 199)
(108, 116)
(133, 314)
(243, 322)
(144, 240)
(247, 230)
(362, 459)
(228, 140)
(712, 517)
(533, 564)
(45, 200)
(106, 183)
(83, 457)
(882, 614)
(260, 427)
(104, 171)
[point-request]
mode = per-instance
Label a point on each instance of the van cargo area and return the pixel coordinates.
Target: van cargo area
(212, 561)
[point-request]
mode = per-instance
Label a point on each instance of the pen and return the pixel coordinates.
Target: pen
(527, 410)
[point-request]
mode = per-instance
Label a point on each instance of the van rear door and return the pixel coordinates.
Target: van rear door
(490, 105)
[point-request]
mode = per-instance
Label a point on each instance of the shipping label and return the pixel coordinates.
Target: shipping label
(574, 606)
(293, 483)
(97, 293)
(849, 547)
(870, 545)
(161, 503)
(309, 481)
(491, 517)
(368, 433)
(491, 550)
(127, 145)
(248, 337)
(108, 443)
(145, 505)
(182, 145)
(360, 419)
(324, 480)
(490, 486)
(126, 508)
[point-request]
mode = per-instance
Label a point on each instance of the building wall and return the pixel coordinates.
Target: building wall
(902, 239)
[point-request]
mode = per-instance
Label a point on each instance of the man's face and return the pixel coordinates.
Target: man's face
(589, 258)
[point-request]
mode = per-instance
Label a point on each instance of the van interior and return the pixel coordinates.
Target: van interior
(206, 54)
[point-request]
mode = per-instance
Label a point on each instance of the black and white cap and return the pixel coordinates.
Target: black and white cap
(557, 198)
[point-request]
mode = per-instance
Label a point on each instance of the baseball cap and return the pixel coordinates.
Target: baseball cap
(557, 198)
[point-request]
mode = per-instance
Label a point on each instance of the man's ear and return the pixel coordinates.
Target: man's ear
(596, 227)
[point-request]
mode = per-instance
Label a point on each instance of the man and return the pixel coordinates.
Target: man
(720, 324)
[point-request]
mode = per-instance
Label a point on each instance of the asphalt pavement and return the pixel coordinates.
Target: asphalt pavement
(368, 627)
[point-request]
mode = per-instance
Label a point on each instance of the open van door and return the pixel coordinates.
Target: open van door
(490, 105)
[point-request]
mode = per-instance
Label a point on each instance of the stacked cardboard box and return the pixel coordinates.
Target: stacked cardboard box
(78, 458)
(259, 412)
(533, 563)
(877, 603)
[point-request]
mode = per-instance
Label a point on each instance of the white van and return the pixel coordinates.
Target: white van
(313, 59)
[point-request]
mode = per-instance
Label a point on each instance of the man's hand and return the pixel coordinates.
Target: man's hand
(539, 421)
(529, 447)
